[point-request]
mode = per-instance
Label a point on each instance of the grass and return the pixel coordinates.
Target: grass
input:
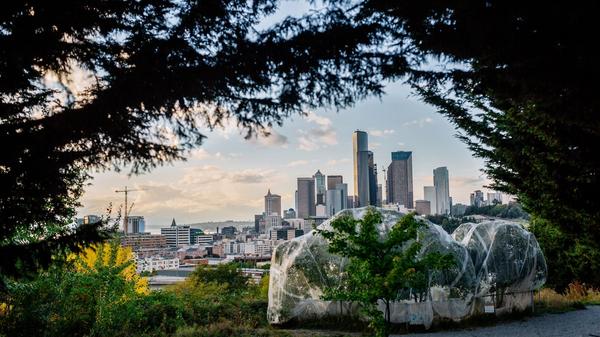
(575, 297)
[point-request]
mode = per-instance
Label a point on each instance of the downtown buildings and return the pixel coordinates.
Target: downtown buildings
(399, 188)
(441, 185)
(366, 189)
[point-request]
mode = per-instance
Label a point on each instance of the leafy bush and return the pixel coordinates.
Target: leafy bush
(98, 295)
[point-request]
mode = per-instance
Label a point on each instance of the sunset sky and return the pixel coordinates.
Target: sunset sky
(228, 176)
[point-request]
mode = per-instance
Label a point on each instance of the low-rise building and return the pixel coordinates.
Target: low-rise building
(156, 263)
(144, 241)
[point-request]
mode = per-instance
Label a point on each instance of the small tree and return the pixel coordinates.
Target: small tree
(381, 267)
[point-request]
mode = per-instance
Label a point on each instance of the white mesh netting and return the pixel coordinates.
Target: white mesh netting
(498, 263)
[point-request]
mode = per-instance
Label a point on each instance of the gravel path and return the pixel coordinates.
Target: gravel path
(579, 323)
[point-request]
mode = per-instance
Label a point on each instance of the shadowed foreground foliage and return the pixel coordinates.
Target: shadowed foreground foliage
(106, 300)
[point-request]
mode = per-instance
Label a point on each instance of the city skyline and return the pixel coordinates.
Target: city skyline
(227, 178)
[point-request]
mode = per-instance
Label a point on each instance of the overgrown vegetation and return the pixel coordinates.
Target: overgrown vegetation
(575, 296)
(99, 294)
(381, 268)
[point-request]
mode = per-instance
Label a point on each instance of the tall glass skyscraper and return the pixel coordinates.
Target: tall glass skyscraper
(360, 151)
(400, 179)
(320, 181)
(305, 198)
(442, 190)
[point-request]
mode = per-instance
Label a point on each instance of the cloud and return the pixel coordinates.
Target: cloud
(250, 176)
(335, 162)
(321, 136)
(270, 138)
(297, 163)
(381, 133)
(200, 154)
(418, 122)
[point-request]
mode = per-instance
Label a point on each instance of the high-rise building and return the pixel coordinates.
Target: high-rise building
(429, 195)
(423, 207)
(442, 190)
(289, 214)
(360, 148)
(379, 195)
(180, 235)
(320, 187)
(334, 202)
(259, 224)
(305, 198)
(135, 224)
(343, 188)
(494, 198)
(372, 179)
(400, 179)
(272, 203)
(333, 181)
(477, 199)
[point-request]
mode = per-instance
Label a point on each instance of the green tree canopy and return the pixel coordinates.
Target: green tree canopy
(382, 266)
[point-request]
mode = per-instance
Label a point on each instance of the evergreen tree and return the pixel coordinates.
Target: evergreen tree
(95, 85)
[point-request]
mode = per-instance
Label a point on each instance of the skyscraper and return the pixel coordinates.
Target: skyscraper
(337, 199)
(320, 181)
(372, 179)
(429, 195)
(305, 198)
(272, 203)
(442, 190)
(332, 182)
(360, 151)
(400, 180)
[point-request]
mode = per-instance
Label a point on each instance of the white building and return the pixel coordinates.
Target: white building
(136, 224)
(151, 264)
(429, 195)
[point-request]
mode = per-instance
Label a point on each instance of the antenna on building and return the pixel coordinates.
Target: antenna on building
(126, 206)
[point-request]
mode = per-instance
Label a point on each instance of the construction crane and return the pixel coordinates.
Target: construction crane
(126, 208)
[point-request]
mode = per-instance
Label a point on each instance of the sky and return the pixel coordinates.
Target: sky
(228, 176)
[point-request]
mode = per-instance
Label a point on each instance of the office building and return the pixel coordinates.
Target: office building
(90, 219)
(442, 190)
(333, 181)
(259, 225)
(337, 199)
(271, 221)
(305, 198)
(429, 195)
(205, 240)
(136, 224)
(423, 207)
(360, 154)
(272, 203)
(180, 235)
(477, 199)
(320, 187)
(289, 214)
(372, 179)
(144, 241)
(494, 198)
(400, 179)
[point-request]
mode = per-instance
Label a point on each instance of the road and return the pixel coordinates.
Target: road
(579, 323)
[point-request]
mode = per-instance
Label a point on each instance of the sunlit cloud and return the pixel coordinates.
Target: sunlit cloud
(419, 122)
(318, 137)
